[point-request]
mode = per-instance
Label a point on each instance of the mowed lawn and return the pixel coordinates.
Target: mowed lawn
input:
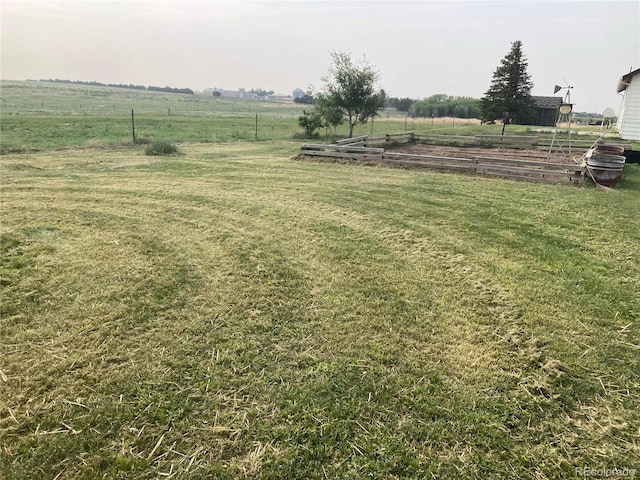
(234, 313)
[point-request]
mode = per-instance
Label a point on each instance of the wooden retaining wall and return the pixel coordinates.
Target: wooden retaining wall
(518, 169)
(524, 142)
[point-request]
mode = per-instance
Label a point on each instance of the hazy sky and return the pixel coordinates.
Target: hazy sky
(419, 47)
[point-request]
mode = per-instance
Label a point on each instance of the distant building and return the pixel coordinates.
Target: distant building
(547, 110)
(297, 93)
(237, 94)
(629, 119)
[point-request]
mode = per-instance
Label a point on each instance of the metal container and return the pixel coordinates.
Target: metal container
(605, 174)
(610, 149)
(606, 158)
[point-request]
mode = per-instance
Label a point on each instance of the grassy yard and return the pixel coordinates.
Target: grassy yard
(232, 313)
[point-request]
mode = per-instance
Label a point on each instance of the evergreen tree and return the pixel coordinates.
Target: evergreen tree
(509, 95)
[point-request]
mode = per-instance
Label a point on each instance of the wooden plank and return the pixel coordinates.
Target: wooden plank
(532, 163)
(434, 166)
(377, 139)
(451, 161)
(553, 181)
(447, 142)
(515, 137)
(340, 148)
(568, 180)
(520, 170)
(526, 140)
(409, 156)
(545, 144)
(515, 173)
(402, 134)
(439, 136)
(346, 155)
(626, 146)
(349, 141)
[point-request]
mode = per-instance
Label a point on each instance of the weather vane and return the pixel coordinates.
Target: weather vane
(564, 116)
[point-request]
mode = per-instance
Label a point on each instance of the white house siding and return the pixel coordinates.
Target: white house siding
(629, 120)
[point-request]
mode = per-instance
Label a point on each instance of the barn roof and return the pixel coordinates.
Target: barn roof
(624, 82)
(548, 102)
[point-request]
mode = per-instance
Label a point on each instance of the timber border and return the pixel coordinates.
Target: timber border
(370, 150)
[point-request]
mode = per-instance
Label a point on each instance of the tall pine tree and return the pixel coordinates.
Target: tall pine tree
(510, 90)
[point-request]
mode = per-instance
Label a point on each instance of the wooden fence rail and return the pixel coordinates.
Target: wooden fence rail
(352, 140)
(519, 169)
(524, 142)
(342, 151)
(508, 141)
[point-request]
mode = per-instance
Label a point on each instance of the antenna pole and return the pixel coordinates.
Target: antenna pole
(569, 102)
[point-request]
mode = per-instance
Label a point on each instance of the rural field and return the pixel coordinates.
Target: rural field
(232, 312)
(41, 116)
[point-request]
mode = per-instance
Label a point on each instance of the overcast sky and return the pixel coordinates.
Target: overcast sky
(419, 47)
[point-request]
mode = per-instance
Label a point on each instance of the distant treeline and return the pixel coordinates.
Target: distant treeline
(122, 85)
(400, 104)
(441, 105)
(170, 90)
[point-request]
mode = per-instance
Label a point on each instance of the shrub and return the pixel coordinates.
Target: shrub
(161, 148)
(143, 140)
(310, 121)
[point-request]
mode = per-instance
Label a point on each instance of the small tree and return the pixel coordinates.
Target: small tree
(310, 121)
(350, 87)
(327, 107)
(509, 96)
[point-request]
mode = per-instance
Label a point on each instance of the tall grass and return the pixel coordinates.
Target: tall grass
(234, 314)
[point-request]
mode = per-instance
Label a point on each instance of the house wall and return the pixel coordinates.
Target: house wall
(629, 120)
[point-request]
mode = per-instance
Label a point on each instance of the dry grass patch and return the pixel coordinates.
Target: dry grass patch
(231, 314)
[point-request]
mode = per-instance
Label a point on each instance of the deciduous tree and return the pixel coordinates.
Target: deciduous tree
(351, 87)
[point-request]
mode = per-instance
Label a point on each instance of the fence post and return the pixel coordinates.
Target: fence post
(256, 127)
(133, 127)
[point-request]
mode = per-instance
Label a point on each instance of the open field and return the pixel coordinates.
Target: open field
(40, 116)
(231, 313)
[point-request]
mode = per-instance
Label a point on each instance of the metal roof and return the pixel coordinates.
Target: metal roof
(624, 82)
(548, 102)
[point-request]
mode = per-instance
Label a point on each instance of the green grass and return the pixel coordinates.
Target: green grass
(230, 313)
(40, 116)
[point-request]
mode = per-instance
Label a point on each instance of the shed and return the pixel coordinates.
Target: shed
(547, 110)
(629, 119)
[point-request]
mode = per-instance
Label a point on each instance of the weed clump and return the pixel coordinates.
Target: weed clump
(161, 148)
(143, 140)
